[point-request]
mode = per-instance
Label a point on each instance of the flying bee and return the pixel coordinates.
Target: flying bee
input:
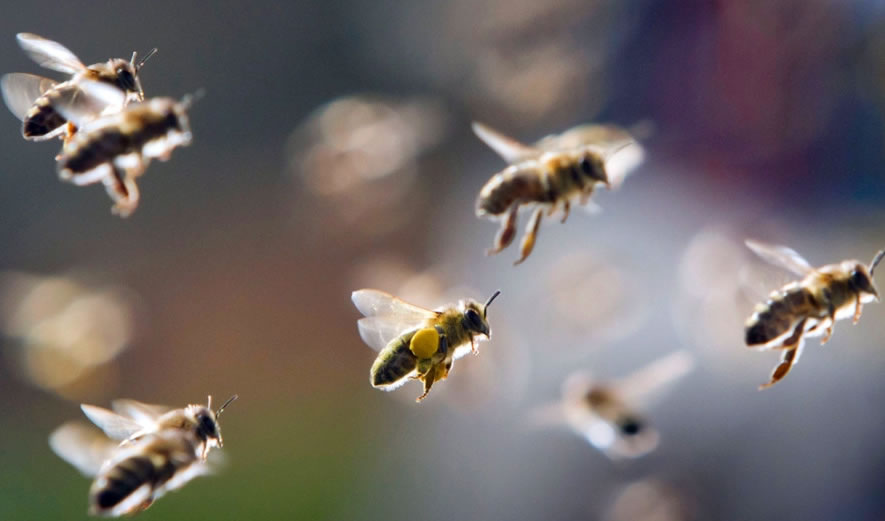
(417, 343)
(146, 451)
(30, 98)
(808, 307)
(549, 174)
(606, 413)
(117, 148)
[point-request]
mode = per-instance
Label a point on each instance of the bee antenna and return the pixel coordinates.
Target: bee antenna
(189, 99)
(876, 260)
(485, 308)
(147, 56)
(229, 400)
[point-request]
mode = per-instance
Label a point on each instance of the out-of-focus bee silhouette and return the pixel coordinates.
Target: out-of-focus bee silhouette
(417, 343)
(116, 149)
(32, 98)
(807, 307)
(549, 175)
(607, 414)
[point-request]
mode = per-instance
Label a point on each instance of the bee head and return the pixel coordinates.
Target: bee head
(207, 427)
(593, 167)
(475, 314)
(862, 276)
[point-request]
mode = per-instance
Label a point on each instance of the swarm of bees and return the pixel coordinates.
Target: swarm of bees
(808, 307)
(146, 451)
(110, 133)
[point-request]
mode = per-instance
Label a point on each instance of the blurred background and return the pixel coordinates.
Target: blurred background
(332, 151)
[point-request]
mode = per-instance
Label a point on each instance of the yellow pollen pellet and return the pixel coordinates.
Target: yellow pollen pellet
(424, 342)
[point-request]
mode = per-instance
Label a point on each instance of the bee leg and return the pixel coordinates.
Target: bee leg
(586, 194)
(788, 360)
(831, 321)
(428, 383)
(123, 190)
(565, 208)
(858, 309)
(507, 232)
(528, 241)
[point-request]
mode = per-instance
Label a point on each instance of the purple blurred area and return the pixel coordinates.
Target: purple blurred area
(237, 267)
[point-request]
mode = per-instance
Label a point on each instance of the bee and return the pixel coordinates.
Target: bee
(808, 307)
(605, 413)
(147, 450)
(548, 175)
(417, 343)
(30, 98)
(117, 148)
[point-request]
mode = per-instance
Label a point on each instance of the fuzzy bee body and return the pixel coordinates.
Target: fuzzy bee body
(33, 98)
(145, 470)
(808, 307)
(545, 176)
(417, 343)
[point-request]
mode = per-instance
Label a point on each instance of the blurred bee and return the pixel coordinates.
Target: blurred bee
(549, 174)
(417, 343)
(30, 98)
(117, 148)
(808, 307)
(147, 451)
(605, 413)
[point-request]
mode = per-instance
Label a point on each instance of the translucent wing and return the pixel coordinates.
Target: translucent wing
(20, 90)
(115, 426)
(84, 447)
(377, 332)
(50, 54)
(143, 413)
(592, 134)
(85, 104)
(651, 381)
(374, 303)
(781, 256)
(510, 149)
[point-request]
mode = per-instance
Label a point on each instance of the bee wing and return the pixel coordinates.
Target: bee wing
(20, 90)
(50, 54)
(143, 413)
(86, 104)
(375, 303)
(781, 256)
(651, 381)
(116, 427)
(84, 447)
(377, 332)
(510, 149)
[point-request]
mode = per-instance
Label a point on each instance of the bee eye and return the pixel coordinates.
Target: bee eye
(473, 319)
(125, 79)
(586, 166)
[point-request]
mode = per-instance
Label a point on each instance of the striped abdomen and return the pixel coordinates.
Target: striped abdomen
(777, 316)
(43, 119)
(394, 362)
(104, 144)
(141, 472)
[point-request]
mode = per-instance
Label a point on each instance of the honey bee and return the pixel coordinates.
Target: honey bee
(605, 413)
(117, 148)
(808, 307)
(30, 98)
(548, 175)
(147, 450)
(417, 343)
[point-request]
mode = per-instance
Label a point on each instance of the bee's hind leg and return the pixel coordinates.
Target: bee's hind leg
(565, 209)
(793, 348)
(788, 360)
(507, 232)
(531, 233)
(123, 190)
